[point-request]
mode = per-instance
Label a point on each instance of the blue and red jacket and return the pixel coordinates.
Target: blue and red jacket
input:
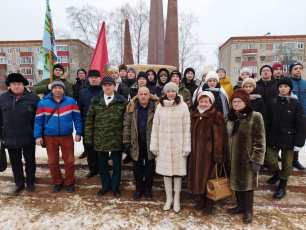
(61, 123)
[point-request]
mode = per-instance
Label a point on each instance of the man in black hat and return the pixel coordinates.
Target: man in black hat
(103, 131)
(81, 83)
(44, 86)
(18, 108)
(94, 89)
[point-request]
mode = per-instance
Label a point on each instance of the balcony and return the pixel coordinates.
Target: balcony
(249, 51)
(248, 63)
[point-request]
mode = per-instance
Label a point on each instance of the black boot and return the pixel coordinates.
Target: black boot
(274, 179)
(248, 200)
(296, 164)
(83, 155)
(281, 190)
(239, 208)
(17, 190)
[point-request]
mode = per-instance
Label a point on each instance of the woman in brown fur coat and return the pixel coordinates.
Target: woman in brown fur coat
(208, 135)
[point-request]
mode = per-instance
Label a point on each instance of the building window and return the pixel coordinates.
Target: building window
(275, 58)
(29, 49)
(300, 58)
(237, 46)
(62, 59)
(249, 58)
(26, 71)
(300, 45)
(262, 46)
(237, 59)
(236, 69)
(252, 46)
(38, 49)
(262, 58)
(61, 48)
(40, 72)
(3, 60)
(17, 50)
(25, 60)
(277, 46)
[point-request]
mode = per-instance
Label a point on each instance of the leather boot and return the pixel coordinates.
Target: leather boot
(169, 193)
(239, 207)
(296, 164)
(248, 200)
(177, 194)
(281, 190)
(274, 179)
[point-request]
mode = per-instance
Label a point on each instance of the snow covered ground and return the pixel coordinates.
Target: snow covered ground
(84, 210)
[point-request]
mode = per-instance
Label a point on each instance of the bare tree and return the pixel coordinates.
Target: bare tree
(189, 44)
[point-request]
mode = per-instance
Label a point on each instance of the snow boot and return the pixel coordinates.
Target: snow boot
(169, 193)
(177, 194)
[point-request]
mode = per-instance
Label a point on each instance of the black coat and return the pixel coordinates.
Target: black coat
(287, 123)
(85, 97)
(192, 87)
(257, 104)
(124, 88)
(17, 119)
(78, 86)
(267, 89)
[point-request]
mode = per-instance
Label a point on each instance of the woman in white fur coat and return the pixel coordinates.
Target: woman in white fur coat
(170, 142)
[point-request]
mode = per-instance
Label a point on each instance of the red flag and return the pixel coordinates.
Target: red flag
(100, 56)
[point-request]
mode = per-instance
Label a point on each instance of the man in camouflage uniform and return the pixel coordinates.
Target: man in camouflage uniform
(43, 87)
(103, 131)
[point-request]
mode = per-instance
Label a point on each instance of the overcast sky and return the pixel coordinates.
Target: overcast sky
(218, 19)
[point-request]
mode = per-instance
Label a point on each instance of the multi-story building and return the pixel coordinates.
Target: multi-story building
(256, 51)
(24, 57)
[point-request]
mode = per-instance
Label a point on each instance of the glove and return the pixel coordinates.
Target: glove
(255, 167)
(155, 154)
(186, 154)
(49, 86)
(126, 148)
(297, 149)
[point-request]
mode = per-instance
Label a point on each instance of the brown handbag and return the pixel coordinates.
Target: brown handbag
(218, 188)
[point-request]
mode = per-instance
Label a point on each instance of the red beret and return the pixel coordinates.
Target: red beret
(243, 95)
(277, 65)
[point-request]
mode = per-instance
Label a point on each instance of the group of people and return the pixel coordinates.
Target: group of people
(164, 123)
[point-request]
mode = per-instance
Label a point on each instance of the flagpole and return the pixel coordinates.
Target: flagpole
(50, 65)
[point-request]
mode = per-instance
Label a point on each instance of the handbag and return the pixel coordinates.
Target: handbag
(3, 160)
(218, 188)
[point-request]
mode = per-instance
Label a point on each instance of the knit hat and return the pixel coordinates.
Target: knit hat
(108, 80)
(265, 66)
(277, 65)
(16, 77)
(243, 95)
(171, 86)
(142, 75)
(81, 70)
(122, 67)
(246, 70)
(285, 81)
(132, 70)
(94, 73)
(189, 70)
(58, 66)
(57, 83)
(294, 64)
(208, 94)
(250, 81)
(211, 75)
(177, 73)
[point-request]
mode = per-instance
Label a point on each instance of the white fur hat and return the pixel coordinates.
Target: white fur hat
(246, 70)
(171, 86)
(211, 75)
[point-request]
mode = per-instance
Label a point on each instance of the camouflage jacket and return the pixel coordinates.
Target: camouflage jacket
(184, 92)
(42, 87)
(104, 124)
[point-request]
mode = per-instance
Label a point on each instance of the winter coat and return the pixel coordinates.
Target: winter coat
(104, 124)
(130, 130)
(124, 88)
(267, 89)
(78, 86)
(299, 89)
(170, 138)
(247, 144)
(257, 104)
(42, 87)
(17, 119)
(85, 97)
(208, 138)
(61, 123)
(184, 92)
(287, 123)
(226, 84)
(191, 86)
